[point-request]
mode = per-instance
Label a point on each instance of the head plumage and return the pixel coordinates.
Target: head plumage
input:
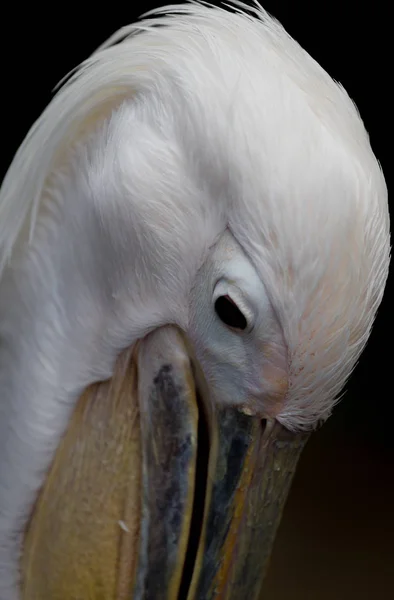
(276, 145)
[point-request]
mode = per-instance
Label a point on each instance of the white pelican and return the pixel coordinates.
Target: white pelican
(194, 241)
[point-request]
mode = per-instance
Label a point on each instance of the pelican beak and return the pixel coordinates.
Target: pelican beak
(156, 494)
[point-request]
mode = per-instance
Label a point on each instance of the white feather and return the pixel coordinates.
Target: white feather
(197, 121)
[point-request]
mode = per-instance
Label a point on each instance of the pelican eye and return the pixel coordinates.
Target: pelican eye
(229, 313)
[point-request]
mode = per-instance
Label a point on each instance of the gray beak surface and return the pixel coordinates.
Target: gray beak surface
(156, 494)
(215, 484)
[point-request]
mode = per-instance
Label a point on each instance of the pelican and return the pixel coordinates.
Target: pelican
(194, 243)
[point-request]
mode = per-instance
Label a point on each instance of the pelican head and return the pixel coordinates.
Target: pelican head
(194, 242)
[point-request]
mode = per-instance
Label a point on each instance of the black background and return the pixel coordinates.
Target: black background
(336, 539)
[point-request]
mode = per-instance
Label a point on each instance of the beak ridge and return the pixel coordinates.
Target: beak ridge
(156, 494)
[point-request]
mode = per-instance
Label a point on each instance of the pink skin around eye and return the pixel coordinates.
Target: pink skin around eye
(230, 300)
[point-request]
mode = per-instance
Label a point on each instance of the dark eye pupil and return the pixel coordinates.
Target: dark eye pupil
(229, 313)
